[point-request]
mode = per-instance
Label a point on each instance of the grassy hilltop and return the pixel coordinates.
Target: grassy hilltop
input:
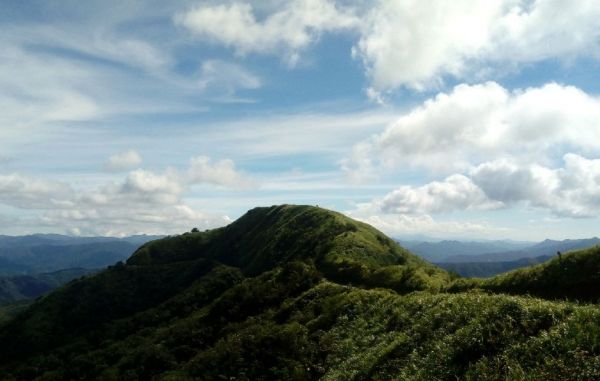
(299, 292)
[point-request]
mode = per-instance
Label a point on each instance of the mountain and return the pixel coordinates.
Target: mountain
(547, 248)
(51, 252)
(443, 250)
(293, 293)
(24, 287)
(573, 276)
(488, 269)
(9, 267)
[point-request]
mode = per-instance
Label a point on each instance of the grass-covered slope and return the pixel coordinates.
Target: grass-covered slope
(574, 276)
(292, 293)
(290, 324)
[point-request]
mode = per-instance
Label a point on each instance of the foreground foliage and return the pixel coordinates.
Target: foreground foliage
(293, 293)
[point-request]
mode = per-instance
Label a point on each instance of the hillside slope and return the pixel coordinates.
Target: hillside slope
(291, 293)
(574, 276)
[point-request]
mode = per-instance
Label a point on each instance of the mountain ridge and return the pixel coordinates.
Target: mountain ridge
(294, 293)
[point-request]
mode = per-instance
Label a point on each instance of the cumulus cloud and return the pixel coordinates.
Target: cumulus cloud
(408, 43)
(142, 202)
(418, 44)
(123, 161)
(403, 43)
(288, 30)
(33, 193)
(222, 172)
(457, 192)
(537, 148)
(572, 190)
(474, 123)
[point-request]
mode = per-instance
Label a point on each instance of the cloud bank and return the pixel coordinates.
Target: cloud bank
(537, 147)
(143, 202)
(474, 123)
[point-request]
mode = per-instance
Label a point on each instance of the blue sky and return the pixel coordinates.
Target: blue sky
(462, 119)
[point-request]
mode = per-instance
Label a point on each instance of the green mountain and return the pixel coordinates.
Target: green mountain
(292, 293)
(573, 276)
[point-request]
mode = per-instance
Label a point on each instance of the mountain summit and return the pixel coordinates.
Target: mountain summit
(342, 249)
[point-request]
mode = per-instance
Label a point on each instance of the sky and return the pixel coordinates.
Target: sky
(465, 119)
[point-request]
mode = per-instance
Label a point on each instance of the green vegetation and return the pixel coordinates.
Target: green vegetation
(296, 293)
(574, 276)
(342, 249)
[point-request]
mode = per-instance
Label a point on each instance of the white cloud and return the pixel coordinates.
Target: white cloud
(405, 43)
(223, 79)
(142, 202)
(222, 172)
(509, 182)
(285, 31)
(457, 192)
(533, 31)
(572, 190)
(410, 224)
(32, 193)
(408, 43)
(418, 44)
(473, 124)
(123, 161)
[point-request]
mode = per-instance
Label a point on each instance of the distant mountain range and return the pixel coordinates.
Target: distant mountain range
(547, 247)
(442, 250)
(491, 251)
(488, 258)
(487, 269)
(41, 253)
